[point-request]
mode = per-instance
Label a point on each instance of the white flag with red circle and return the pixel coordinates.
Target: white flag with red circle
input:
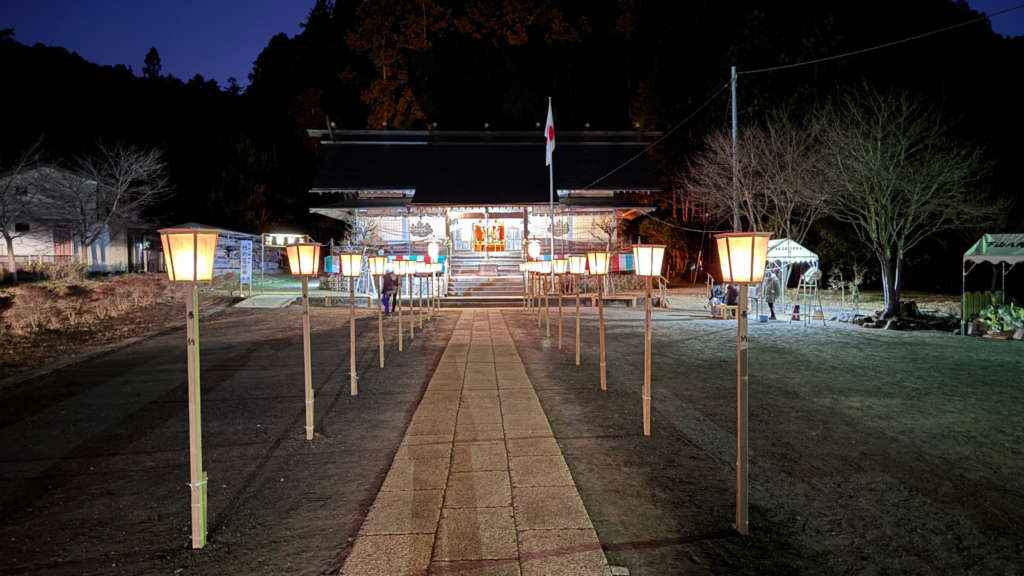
(549, 134)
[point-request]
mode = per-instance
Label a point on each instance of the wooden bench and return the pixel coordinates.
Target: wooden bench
(328, 300)
(629, 300)
(722, 309)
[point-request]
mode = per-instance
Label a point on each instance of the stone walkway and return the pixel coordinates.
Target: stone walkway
(479, 486)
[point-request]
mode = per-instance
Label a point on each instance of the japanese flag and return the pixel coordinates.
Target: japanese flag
(549, 134)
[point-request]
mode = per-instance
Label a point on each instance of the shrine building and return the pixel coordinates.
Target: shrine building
(485, 192)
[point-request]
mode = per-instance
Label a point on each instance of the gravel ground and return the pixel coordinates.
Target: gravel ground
(872, 452)
(94, 457)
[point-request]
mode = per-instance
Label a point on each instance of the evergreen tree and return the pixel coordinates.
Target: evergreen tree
(152, 67)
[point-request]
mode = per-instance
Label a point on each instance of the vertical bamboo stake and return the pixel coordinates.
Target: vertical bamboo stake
(421, 302)
(412, 311)
(536, 290)
(547, 304)
(399, 306)
(647, 359)
(197, 476)
(577, 319)
(741, 417)
(600, 316)
(352, 333)
(380, 318)
(560, 283)
(430, 294)
(306, 358)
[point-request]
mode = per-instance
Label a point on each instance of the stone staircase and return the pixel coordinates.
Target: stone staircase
(478, 281)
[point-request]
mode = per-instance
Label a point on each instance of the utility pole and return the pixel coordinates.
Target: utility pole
(735, 180)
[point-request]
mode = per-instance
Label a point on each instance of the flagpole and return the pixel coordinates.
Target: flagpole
(551, 191)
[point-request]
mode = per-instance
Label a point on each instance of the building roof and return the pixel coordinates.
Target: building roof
(997, 248)
(480, 168)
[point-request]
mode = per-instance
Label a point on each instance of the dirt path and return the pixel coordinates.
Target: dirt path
(94, 458)
(871, 452)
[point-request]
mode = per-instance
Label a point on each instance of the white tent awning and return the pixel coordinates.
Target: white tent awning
(995, 248)
(789, 252)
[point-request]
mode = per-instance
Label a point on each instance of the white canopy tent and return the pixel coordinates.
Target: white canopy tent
(996, 249)
(783, 253)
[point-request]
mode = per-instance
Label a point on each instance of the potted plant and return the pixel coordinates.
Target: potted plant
(1002, 319)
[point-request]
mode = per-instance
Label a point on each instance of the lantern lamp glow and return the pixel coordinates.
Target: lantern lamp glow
(189, 253)
(544, 266)
(351, 265)
(533, 249)
(432, 249)
(378, 265)
(559, 265)
(647, 259)
(577, 264)
(598, 262)
(743, 256)
(304, 258)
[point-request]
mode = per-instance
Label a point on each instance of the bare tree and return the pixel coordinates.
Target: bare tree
(777, 175)
(898, 177)
(17, 200)
(109, 189)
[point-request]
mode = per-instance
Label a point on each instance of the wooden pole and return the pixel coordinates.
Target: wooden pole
(577, 319)
(600, 316)
(352, 334)
(306, 358)
(421, 301)
(547, 281)
(430, 295)
(741, 417)
(647, 359)
(380, 318)
(536, 282)
(412, 311)
(560, 283)
(197, 477)
(399, 306)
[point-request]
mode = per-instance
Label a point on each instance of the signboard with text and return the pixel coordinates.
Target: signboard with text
(245, 254)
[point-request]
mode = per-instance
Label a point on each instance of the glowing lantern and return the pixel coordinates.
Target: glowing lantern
(351, 265)
(743, 256)
(432, 250)
(304, 258)
(378, 265)
(544, 266)
(533, 249)
(647, 259)
(577, 264)
(598, 262)
(188, 253)
(559, 265)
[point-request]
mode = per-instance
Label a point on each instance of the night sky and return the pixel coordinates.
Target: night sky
(218, 39)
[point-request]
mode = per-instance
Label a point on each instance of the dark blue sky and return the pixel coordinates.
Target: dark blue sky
(217, 39)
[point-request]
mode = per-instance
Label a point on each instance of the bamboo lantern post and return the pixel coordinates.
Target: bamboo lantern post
(598, 264)
(438, 271)
(399, 270)
(545, 281)
(558, 266)
(304, 261)
(743, 256)
(352, 267)
(522, 270)
(577, 266)
(377, 270)
(647, 259)
(189, 254)
(432, 251)
(533, 251)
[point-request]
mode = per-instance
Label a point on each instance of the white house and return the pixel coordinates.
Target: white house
(42, 237)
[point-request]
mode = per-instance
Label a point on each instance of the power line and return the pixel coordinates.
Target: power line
(704, 231)
(880, 46)
(664, 136)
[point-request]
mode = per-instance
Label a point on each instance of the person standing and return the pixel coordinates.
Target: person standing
(387, 295)
(771, 290)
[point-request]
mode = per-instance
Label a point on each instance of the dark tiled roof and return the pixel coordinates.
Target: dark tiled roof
(480, 168)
